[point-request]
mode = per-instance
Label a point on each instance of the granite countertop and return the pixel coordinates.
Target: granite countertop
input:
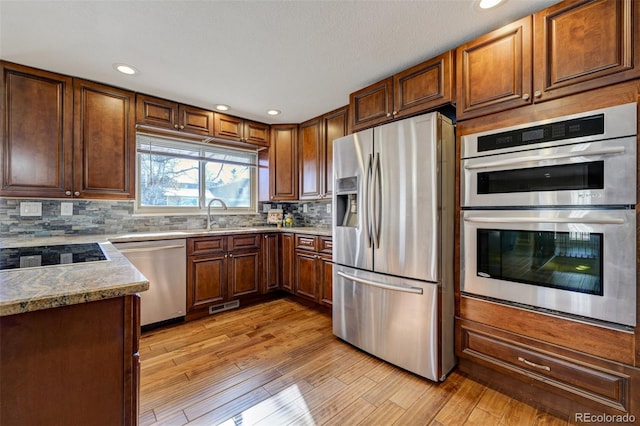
(32, 289)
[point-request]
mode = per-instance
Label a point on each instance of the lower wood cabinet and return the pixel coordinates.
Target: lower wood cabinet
(559, 378)
(313, 268)
(287, 256)
(220, 269)
(72, 365)
(270, 263)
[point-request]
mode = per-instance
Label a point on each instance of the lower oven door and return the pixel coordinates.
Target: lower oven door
(579, 262)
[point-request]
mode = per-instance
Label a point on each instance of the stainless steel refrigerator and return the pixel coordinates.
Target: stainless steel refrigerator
(393, 211)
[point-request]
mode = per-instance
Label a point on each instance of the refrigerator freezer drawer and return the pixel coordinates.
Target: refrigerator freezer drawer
(395, 319)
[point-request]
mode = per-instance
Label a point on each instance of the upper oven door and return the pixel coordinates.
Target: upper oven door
(580, 262)
(592, 173)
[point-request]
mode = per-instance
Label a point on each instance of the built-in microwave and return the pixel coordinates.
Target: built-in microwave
(586, 159)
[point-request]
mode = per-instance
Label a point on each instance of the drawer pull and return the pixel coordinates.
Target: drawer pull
(533, 364)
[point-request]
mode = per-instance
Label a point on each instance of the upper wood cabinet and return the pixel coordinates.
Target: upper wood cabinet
(571, 47)
(104, 141)
(422, 87)
(315, 153)
(283, 162)
(172, 115)
(64, 137)
(238, 129)
(36, 125)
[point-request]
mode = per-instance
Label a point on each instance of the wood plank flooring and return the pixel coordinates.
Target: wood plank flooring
(278, 363)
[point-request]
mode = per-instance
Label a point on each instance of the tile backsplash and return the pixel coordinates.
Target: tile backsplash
(97, 217)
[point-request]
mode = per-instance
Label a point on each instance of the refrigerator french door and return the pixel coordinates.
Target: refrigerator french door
(393, 243)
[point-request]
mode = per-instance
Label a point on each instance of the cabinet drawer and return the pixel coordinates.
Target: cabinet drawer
(206, 245)
(325, 245)
(305, 242)
(606, 387)
(241, 242)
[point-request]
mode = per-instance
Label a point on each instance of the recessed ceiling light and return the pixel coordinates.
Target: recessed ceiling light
(273, 111)
(125, 69)
(488, 4)
(223, 107)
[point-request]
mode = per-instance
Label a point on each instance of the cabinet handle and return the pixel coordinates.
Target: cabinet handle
(395, 113)
(231, 255)
(175, 125)
(525, 96)
(76, 193)
(537, 94)
(225, 256)
(533, 364)
(388, 114)
(67, 192)
(181, 127)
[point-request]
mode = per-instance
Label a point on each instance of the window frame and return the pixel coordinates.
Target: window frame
(177, 143)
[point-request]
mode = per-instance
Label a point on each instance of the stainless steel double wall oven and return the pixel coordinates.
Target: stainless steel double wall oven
(548, 215)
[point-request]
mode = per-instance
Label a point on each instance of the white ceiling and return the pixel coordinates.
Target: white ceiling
(302, 57)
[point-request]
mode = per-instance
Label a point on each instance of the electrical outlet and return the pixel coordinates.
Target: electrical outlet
(279, 206)
(66, 209)
(30, 208)
(266, 207)
(305, 208)
(329, 208)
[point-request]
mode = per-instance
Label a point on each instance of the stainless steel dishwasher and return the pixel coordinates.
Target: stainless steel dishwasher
(164, 264)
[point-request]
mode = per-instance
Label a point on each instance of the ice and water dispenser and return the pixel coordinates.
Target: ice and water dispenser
(347, 201)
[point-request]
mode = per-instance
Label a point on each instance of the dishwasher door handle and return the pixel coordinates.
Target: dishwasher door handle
(151, 248)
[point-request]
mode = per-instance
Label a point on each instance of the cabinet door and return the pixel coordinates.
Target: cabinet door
(371, 105)
(36, 125)
(195, 120)
(283, 161)
(287, 264)
(156, 112)
(335, 125)
(244, 273)
(256, 133)
(584, 45)
(228, 127)
(309, 156)
(424, 86)
(494, 71)
(306, 282)
(104, 141)
(206, 280)
(326, 281)
(270, 261)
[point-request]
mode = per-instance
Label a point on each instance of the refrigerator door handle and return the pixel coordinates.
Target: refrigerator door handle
(377, 200)
(414, 290)
(367, 201)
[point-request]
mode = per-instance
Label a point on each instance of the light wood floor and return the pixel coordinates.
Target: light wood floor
(278, 363)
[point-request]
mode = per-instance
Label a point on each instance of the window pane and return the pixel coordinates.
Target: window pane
(168, 181)
(229, 182)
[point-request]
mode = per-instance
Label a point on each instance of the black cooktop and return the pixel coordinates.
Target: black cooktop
(31, 257)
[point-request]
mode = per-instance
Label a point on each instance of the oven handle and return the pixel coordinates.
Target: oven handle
(598, 221)
(523, 160)
(415, 290)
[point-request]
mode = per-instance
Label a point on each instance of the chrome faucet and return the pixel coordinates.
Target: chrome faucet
(222, 204)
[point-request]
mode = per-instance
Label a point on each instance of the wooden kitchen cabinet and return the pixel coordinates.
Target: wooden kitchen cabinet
(171, 115)
(220, 269)
(313, 268)
(283, 162)
(422, 87)
(36, 127)
(270, 263)
(104, 141)
(240, 130)
(71, 365)
(287, 259)
(315, 153)
(570, 47)
(64, 137)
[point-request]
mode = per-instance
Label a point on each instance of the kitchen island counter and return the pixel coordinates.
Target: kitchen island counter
(32, 289)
